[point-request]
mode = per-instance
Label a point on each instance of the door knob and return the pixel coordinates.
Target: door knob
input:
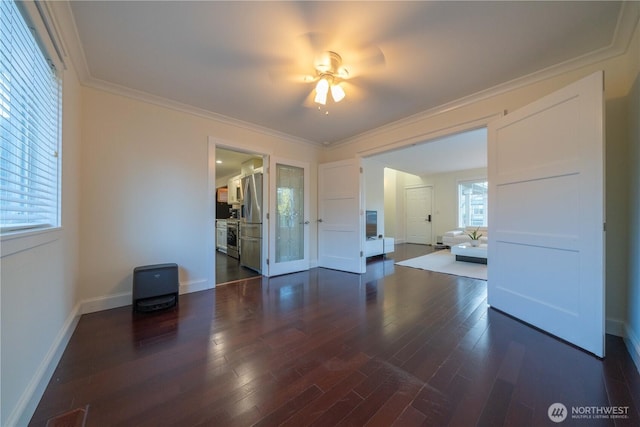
(306, 223)
(320, 220)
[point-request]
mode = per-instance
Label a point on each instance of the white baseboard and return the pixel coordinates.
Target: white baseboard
(106, 302)
(26, 406)
(194, 286)
(632, 341)
(615, 327)
(28, 402)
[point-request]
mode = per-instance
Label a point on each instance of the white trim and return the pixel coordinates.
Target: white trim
(192, 110)
(65, 23)
(211, 211)
(212, 144)
(627, 21)
(414, 139)
(28, 401)
(123, 299)
(106, 302)
(195, 286)
(633, 345)
(12, 243)
(41, 20)
(615, 327)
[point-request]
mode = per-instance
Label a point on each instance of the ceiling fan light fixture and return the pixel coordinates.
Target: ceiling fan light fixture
(337, 93)
(322, 88)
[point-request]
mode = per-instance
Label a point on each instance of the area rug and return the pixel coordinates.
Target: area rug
(445, 262)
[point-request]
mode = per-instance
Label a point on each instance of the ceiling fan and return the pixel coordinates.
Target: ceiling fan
(330, 73)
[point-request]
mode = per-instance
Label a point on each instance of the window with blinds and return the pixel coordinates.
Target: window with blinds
(30, 108)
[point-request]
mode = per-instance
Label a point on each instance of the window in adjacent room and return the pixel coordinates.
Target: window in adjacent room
(30, 109)
(472, 203)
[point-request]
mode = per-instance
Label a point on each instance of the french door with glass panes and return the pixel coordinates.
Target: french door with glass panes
(289, 219)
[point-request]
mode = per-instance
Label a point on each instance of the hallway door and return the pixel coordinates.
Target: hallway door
(418, 205)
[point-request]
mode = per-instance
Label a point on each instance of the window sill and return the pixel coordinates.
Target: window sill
(19, 241)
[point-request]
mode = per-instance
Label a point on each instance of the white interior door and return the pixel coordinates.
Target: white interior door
(340, 216)
(288, 216)
(546, 214)
(418, 215)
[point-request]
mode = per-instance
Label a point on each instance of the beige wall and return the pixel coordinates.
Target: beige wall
(40, 287)
(144, 187)
(633, 290)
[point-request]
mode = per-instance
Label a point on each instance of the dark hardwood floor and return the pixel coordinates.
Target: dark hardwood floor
(229, 270)
(394, 347)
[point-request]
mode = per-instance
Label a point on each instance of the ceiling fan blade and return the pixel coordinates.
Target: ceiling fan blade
(309, 99)
(318, 42)
(364, 60)
(290, 76)
(352, 92)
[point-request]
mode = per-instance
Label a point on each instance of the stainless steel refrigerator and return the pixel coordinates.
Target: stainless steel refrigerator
(251, 223)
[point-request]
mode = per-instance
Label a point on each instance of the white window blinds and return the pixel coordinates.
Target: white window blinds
(30, 98)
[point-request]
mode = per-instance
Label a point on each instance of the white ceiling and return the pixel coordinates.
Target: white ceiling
(466, 150)
(228, 58)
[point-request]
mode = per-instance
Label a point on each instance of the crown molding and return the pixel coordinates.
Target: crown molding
(65, 25)
(195, 111)
(628, 19)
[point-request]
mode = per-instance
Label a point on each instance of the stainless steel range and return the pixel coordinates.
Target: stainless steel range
(233, 238)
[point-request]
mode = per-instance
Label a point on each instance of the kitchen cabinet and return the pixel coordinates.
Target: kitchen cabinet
(222, 195)
(235, 190)
(221, 235)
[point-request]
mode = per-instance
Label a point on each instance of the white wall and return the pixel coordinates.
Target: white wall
(390, 204)
(374, 191)
(144, 187)
(39, 291)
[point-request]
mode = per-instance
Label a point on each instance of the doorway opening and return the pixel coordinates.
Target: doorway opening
(416, 187)
(231, 260)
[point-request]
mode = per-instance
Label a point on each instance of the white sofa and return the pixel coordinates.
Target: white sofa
(460, 235)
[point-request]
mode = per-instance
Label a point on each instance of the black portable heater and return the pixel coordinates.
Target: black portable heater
(155, 287)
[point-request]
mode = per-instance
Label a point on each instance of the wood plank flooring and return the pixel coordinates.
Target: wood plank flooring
(394, 347)
(229, 270)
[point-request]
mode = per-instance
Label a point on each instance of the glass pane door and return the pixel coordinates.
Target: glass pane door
(289, 218)
(289, 213)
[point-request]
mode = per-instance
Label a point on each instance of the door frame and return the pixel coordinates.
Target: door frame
(212, 144)
(353, 166)
(298, 265)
